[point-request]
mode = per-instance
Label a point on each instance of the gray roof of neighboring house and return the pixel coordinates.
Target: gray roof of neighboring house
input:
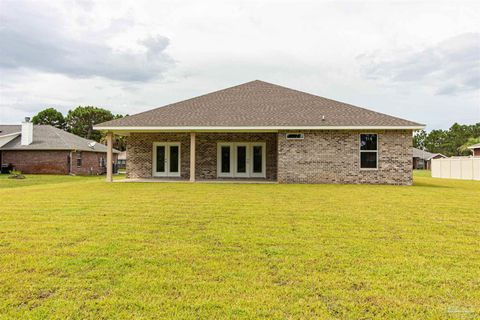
(46, 137)
(258, 104)
(422, 154)
(9, 128)
(475, 146)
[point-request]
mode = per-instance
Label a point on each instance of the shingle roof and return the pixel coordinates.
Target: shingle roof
(50, 138)
(9, 128)
(475, 146)
(258, 104)
(422, 154)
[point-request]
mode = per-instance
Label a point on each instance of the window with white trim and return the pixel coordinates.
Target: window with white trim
(368, 151)
(102, 162)
(79, 159)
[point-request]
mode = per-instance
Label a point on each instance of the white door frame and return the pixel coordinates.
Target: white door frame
(233, 160)
(264, 160)
(219, 162)
(167, 172)
(237, 174)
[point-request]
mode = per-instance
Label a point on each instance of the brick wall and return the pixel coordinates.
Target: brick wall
(206, 167)
(140, 152)
(332, 156)
(322, 157)
(91, 163)
(54, 162)
(476, 152)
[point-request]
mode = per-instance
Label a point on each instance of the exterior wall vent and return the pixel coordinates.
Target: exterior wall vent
(295, 136)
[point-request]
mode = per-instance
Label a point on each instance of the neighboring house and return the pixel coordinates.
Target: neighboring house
(122, 160)
(423, 159)
(46, 149)
(259, 130)
(475, 149)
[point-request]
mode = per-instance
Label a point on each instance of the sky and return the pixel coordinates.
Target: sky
(411, 59)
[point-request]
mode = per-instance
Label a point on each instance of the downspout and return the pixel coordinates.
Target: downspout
(71, 161)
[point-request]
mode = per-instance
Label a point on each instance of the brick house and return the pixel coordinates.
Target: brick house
(475, 150)
(422, 160)
(46, 149)
(263, 131)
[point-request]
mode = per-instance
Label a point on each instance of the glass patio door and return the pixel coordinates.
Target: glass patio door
(258, 160)
(241, 160)
(166, 159)
(225, 162)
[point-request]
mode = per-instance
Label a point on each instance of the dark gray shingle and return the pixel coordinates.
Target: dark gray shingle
(50, 138)
(258, 104)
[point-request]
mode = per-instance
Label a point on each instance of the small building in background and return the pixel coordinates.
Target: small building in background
(475, 149)
(422, 160)
(45, 149)
(122, 160)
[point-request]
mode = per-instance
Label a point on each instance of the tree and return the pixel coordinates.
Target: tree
(419, 139)
(50, 116)
(470, 142)
(119, 142)
(435, 141)
(457, 136)
(451, 142)
(80, 121)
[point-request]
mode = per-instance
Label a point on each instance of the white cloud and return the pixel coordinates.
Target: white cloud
(32, 36)
(449, 67)
(130, 56)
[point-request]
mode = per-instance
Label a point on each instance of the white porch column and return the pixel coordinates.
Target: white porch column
(109, 156)
(192, 156)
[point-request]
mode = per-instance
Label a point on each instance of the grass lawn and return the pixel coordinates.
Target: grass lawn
(76, 247)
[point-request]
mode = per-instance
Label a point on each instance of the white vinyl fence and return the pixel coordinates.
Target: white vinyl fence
(467, 168)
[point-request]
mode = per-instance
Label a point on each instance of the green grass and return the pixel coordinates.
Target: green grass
(79, 248)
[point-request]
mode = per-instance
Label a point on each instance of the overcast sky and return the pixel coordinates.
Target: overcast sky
(416, 60)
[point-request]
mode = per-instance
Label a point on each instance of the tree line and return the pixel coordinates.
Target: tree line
(452, 142)
(80, 121)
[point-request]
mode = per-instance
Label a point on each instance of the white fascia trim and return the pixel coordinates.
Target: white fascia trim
(10, 134)
(273, 128)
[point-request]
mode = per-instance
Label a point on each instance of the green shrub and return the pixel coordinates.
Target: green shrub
(15, 174)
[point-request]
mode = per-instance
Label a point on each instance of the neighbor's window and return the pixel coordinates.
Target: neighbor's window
(79, 159)
(295, 136)
(368, 151)
(102, 162)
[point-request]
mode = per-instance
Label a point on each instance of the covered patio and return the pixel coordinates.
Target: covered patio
(199, 156)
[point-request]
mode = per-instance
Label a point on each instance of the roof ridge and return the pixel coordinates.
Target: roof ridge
(181, 101)
(259, 103)
(55, 131)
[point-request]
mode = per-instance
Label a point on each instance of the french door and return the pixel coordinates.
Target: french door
(241, 159)
(166, 159)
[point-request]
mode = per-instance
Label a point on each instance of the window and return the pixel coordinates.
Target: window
(79, 159)
(225, 156)
(174, 158)
(295, 136)
(102, 162)
(368, 151)
(257, 159)
(241, 159)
